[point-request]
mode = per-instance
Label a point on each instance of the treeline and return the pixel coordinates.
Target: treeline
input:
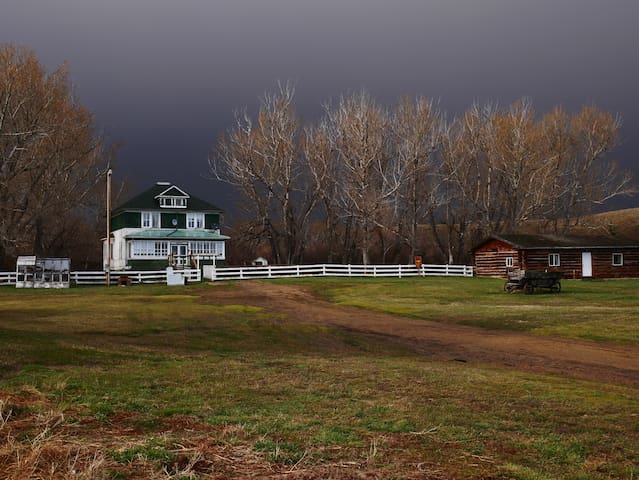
(373, 176)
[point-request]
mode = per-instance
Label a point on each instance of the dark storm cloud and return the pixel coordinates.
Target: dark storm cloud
(165, 76)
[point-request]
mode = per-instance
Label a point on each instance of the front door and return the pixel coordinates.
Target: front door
(179, 254)
(586, 264)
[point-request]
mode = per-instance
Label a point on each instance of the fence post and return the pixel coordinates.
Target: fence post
(323, 269)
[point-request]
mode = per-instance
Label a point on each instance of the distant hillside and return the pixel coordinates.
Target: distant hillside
(616, 222)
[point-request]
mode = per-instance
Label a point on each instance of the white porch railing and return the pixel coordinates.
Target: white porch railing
(333, 270)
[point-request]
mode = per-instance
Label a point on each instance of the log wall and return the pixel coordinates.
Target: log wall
(490, 259)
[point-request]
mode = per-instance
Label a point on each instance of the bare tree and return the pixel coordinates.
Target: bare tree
(516, 153)
(50, 154)
(580, 175)
(358, 133)
(417, 127)
(264, 162)
(323, 166)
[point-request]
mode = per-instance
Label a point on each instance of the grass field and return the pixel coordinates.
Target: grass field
(591, 310)
(159, 382)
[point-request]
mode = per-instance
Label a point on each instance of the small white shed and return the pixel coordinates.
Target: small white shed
(34, 272)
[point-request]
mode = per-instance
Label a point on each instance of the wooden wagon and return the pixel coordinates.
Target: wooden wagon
(528, 281)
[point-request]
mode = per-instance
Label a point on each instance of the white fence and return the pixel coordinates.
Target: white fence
(7, 278)
(327, 270)
(99, 278)
(244, 273)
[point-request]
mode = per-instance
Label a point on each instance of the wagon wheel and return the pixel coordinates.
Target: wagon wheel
(555, 287)
(529, 288)
(509, 287)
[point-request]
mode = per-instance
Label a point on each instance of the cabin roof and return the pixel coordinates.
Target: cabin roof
(537, 241)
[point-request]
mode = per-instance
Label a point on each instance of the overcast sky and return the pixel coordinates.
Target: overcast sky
(164, 77)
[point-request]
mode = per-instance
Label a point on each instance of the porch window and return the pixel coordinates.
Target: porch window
(617, 259)
(553, 260)
(149, 249)
(150, 219)
(194, 220)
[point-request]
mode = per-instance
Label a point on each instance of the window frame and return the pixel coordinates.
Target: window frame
(551, 260)
(617, 264)
(510, 262)
(173, 202)
(154, 219)
(148, 249)
(194, 221)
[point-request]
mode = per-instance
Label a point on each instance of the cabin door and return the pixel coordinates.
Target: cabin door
(586, 264)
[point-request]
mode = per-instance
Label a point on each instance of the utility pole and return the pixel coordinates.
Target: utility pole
(108, 228)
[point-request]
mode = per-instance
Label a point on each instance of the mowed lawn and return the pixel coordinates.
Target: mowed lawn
(589, 310)
(174, 382)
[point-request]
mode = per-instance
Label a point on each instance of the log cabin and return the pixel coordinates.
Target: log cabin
(573, 256)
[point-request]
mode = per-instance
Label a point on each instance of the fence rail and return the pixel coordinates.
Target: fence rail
(137, 276)
(99, 278)
(7, 278)
(244, 273)
(333, 270)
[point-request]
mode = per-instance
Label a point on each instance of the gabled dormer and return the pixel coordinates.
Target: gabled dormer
(172, 197)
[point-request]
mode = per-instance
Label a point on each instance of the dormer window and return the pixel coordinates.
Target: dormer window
(172, 202)
(172, 197)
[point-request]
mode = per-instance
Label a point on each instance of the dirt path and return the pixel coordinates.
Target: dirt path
(566, 357)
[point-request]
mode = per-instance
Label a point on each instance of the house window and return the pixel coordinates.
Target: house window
(617, 259)
(149, 249)
(509, 261)
(194, 220)
(553, 260)
(173, 202)
(150, 219)
(203, 248)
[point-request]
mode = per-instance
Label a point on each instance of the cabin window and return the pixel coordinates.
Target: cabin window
(617, 259)
(150, 219)
(553, 260)
(509, 261)
(194, 220)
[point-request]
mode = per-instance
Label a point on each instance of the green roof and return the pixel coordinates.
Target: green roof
(167, 233)
(147, 200)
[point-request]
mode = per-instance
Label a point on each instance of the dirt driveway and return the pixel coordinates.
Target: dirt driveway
(602, 362)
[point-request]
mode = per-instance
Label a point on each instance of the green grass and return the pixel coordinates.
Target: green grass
(314, 394)
(590, 310)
